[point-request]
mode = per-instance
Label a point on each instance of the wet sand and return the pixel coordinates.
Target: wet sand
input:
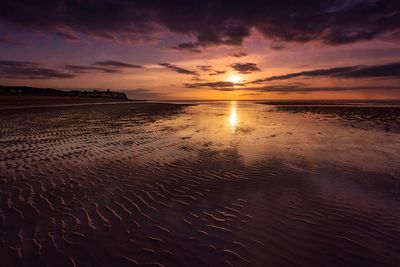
(365, 114)
(22, 101)
(214, 184)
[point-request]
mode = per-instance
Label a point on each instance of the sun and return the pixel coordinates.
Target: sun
(234, 79)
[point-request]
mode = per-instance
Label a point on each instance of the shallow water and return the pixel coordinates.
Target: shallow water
(215, 184)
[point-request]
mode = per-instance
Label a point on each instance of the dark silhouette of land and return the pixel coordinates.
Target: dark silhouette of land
(25, 95)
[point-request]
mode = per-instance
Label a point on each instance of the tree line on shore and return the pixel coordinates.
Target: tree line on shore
(34, 91)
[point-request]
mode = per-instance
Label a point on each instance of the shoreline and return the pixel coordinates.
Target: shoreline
(18, 107)
(14, 102)
(68, 105)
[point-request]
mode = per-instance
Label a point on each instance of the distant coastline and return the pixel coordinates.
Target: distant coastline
(25, 95)
(34, 91)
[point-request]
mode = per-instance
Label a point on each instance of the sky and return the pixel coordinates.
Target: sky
(217, 49)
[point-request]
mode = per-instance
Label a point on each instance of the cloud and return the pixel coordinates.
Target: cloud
(210, 70)
(287, 89)
(197, 78)
(239, 54)
(277, 46)
(106, 66)
(205, 68)
(391, 70)
(245, 68)
(86, 69)
(344, 36)
(116, 64)
(34, 70)
(211, 23)
(222, 86)
(297, 87)
(178, 69)
(189, 47)
(217, 72)
(10, 69)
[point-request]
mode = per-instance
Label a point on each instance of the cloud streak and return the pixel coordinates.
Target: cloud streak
(210, 70)
(390, 70)
(116, 64)
(220, 85)
(239, 54)
(245, 68)
(285, 88)
(10, 69)
(87, 69)
(178, 69)
(189, 47)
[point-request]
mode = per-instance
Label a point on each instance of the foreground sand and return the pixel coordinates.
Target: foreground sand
(216, 184)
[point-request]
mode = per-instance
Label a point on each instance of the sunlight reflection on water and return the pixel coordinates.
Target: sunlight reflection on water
(259, 132)
(233, 118)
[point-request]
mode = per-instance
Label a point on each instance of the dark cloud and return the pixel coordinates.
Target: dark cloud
(87, 69)
(213, 22)
(197, 78)
(190, 47)
(245, 68)
(391, 70)
(344, 36)
(116, 64)
(210, 70)
(33, 70)
(239, 54)
(106, 66)
(178, 69)
(277, 46)
(205, 68)
(217, 72)
(29, 70)
(223, 86)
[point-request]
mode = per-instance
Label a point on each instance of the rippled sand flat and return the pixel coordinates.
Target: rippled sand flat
(212, 184)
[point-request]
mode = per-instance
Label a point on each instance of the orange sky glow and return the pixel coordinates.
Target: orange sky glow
(178, 56)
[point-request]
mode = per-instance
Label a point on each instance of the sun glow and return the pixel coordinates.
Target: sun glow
(234, 79)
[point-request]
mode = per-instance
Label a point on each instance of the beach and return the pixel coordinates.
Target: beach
(207, 183)
(7, 101)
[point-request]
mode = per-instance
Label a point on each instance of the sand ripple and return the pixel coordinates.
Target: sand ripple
(112, 186)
